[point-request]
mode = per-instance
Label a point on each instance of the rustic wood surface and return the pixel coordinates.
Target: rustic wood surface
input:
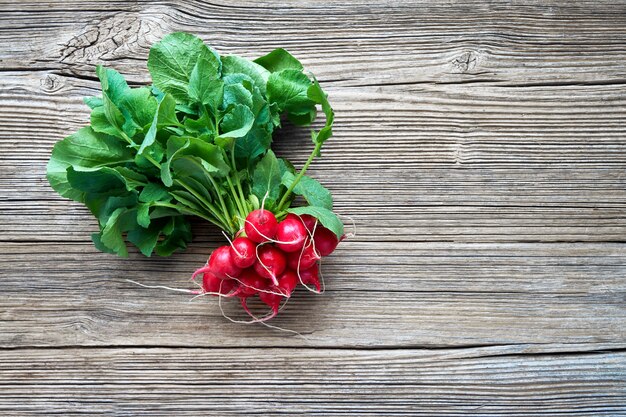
(480, 150)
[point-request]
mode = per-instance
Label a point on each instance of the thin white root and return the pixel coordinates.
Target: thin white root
(255, 320)
(217, 294)
(161, 287)
(282, 329)
(321, 278)
(231, 243)
(258, 289)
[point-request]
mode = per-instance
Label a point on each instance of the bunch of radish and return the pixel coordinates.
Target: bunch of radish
(269, 259)
(197, 143)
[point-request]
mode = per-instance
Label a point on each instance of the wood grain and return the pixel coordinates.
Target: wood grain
(479, 149)
(385, 294)
(483, 173)
(186, 382)
(358, 42)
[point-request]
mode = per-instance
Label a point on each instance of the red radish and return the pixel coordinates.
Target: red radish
(303, 259)
(261, 225)
(325, 241)
(290, 235)
(271, 262)
(306, 219)
(311, 277)
(221, 263)
(271, 300)
(251, 283)
(243, 252)
(213, 284)
(287, 282)
(310, 222)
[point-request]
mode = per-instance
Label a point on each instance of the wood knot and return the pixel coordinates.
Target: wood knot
(51, 83)
(124, 34)
(466, 62)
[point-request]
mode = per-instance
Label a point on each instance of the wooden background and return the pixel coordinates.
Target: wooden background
(480, 149)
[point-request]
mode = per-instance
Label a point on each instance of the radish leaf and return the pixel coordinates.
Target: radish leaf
(236, 65)
(328, 219)
(196, 142)
(278, 60)
(172, 60)
(313, 192)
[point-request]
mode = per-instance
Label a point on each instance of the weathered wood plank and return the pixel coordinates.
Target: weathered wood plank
(473, 176)
(146, 382)
(483, 162)
(464, 132)
(386, 126)
(355, 42)
(46, 220)
(378, 294)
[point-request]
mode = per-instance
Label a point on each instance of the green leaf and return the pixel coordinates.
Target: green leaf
(177, 238)
(288, 89)
(114, 116)
(312, 191)
(154, 192)
(103, 180)
(164, 116)
(200, 126)
(211, 156)
(119, 222)
(93, 102)
(266, 179)
(97, 241)
(84, 150)
(172, 61)
(113, 84)
(145, 238)
(235, 94)
(138, 106)
(114, 87)
(253, 144)
(328, 219)
(237, 122)
(187, 199)
(132, 178)
(167, 111)
(100, 122)
(194, 151)
(204, 85)
(233, 64)
(279, 60)
(305, 118)
(143, 216)
(102, 206)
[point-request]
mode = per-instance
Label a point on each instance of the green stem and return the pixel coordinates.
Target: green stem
(295, 182)
(241, 213)
(219, 196)
(224, 223)
(243, 198)
(187, 210)
(214, 211)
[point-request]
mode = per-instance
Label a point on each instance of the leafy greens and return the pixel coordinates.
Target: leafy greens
(195, 143)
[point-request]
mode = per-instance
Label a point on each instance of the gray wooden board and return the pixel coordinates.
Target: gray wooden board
(479, 150)
(295, 382)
